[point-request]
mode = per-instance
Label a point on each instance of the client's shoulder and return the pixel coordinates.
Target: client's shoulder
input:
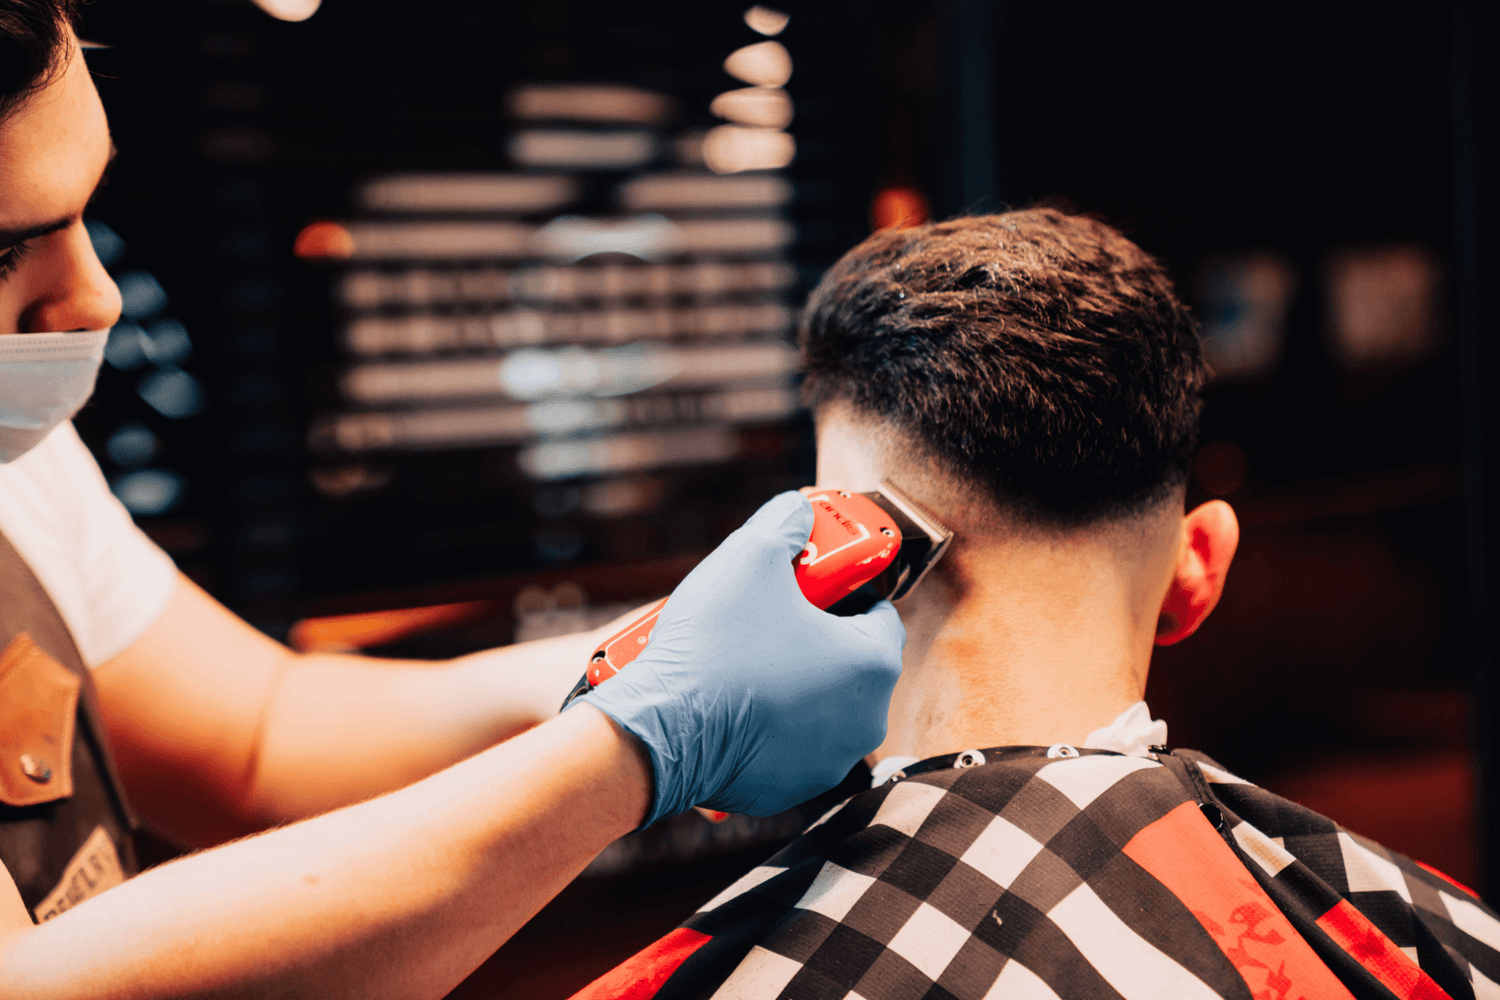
(1046, 871)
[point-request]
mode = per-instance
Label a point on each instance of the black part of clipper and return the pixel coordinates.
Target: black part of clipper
(856, 603)
(923, 542)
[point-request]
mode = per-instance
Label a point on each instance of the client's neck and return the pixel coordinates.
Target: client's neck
(1029, 642)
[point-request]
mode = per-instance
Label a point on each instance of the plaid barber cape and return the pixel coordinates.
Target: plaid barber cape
(1079, 874)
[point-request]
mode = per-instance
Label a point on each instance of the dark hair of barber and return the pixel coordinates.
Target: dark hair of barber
(1040, 356)
(33, 38)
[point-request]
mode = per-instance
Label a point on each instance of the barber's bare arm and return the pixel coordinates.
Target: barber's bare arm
(219, 731)
(401, 896)
(747, 699)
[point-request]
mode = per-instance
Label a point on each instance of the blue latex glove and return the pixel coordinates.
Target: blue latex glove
(748, 698)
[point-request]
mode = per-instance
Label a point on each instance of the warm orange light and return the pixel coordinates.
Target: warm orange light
(347, 633)
(898, 208)
(324, 241)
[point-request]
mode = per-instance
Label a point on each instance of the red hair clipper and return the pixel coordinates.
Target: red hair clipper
(881, 538)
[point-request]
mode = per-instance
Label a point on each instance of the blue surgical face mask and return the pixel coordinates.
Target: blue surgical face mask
(45, 378)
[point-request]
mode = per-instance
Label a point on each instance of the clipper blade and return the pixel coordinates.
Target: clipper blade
(924, 539)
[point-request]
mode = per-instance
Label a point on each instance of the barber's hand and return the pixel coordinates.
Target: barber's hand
(748, 698)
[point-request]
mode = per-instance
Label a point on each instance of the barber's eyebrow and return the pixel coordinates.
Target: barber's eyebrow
(12, 237)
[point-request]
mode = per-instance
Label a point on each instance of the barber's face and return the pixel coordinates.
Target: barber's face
(53, 154)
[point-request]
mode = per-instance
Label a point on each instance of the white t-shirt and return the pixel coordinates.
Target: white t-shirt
(109, 581)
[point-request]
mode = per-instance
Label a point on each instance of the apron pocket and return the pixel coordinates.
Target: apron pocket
(38, 705)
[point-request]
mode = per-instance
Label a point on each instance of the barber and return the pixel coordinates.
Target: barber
(445, 811)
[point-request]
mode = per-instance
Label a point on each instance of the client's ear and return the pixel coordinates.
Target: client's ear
(1210, 534)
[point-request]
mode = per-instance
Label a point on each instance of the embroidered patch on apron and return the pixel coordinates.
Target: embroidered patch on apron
(94, 868)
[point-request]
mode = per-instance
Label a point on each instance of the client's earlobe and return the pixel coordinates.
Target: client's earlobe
(1210, 535)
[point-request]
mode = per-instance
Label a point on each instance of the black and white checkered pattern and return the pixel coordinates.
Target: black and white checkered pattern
(1008, 880)
(1307, 863)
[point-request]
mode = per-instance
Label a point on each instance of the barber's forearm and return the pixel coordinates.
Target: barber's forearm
(400, 896)
(342, 728)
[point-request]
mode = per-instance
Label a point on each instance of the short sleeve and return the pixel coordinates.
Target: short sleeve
(108, 580)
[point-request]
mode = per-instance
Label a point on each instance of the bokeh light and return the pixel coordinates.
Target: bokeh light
(141, 295)
(764, 64)
(290, 10)
(323, 241)
(766, 20)
(173, 394)
(766, 107)
(109, 246)
(150, 491)
(730, 149)
(132, 443)
(898, 208)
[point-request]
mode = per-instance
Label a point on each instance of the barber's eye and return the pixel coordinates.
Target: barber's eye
(12, 258)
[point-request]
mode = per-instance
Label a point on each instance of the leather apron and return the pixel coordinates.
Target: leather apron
(65, 828)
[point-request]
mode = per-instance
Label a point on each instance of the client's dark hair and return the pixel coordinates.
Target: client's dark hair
(33, 40)
(1039, 355)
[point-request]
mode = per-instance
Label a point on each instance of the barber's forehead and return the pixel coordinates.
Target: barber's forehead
(53, 149)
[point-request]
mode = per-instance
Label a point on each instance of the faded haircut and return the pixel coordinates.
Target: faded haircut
(1040, 356)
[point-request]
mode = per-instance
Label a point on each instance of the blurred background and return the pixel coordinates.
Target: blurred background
(459, 323)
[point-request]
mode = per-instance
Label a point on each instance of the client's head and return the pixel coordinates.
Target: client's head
(1032, 378)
